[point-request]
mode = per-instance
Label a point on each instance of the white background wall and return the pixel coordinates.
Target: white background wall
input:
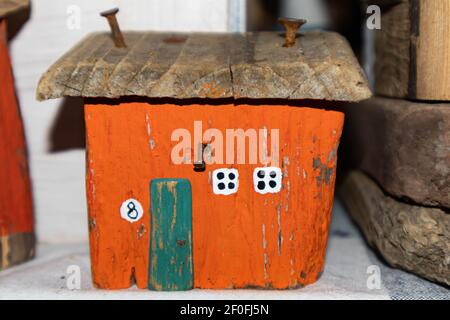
(312, 10)
(58, 177)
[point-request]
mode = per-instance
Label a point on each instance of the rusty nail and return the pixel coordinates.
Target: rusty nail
(119, 41)
(201, 165)
(291, 26)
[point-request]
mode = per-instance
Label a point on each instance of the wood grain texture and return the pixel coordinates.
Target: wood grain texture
(170, 258)
(410, 237)
(10, 6)
(245, 240)
(413, 50)
(255, 65)
(433, 51)
(16, 248)
(404, 145)
(393, 51)
(16, 215)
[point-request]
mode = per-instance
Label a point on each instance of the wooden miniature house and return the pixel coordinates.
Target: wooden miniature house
(16, 209)
(166, 210)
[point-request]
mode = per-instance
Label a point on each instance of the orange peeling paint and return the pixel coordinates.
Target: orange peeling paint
(240, 241)
(15, 191)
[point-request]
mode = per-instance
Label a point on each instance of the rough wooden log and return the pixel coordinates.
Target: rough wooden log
(404, 145)
(10, 6)
(16, 218)
(321, 66)
(410, 237)
(413, 50)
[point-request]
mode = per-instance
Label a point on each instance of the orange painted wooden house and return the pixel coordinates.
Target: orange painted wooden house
(16, 208)
(210, 157)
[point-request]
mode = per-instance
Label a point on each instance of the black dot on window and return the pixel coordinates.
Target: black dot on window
(261, 185)
(231, 185)
(261, 174)
(221, 186)
(220, 176)
(273, 174)
(231, 176)
(272, 184)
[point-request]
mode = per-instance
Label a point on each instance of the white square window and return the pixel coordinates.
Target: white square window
(225, 181)
(267, 180)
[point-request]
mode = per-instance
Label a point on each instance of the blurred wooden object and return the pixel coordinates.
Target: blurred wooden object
(410, 237)
(262, 15)
(413, 49)
(16, 209)
(400, 148)
(404, 145)
(344, 17)
(11, 6)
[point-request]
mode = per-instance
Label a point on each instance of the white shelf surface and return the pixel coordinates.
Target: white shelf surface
(345, 276)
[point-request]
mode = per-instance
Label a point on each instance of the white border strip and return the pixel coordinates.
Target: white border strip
(237, 15)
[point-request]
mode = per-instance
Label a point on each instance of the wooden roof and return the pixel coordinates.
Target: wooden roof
(10, 6)
(321, 65)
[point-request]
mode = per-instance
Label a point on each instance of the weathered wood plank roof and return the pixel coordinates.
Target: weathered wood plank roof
(321, 65)
(9, 6)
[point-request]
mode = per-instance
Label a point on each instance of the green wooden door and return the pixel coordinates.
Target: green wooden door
(170, 263)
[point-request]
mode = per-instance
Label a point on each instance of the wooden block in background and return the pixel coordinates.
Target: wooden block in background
(404, 146)
(410, 237)
(413, 50)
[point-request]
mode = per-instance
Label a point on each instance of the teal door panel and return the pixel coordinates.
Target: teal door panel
(170, 263)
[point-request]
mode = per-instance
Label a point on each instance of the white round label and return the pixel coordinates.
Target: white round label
(131, 210)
